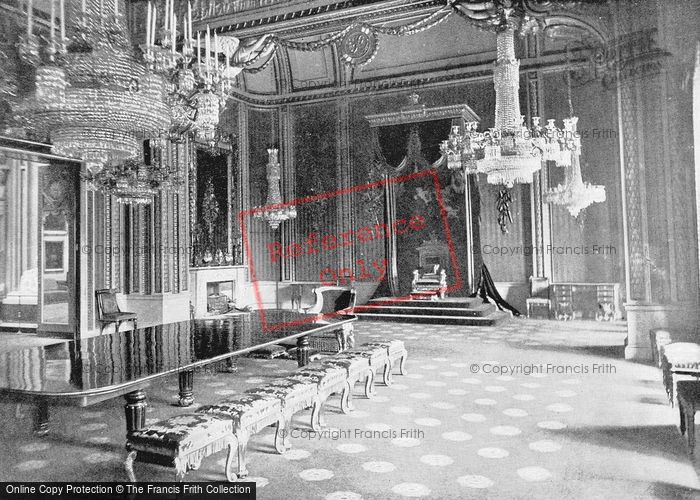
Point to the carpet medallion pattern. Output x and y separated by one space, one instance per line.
475 417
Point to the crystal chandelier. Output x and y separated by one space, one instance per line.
509 153
129 181
95 98
575 195
510 156
200 72
276 214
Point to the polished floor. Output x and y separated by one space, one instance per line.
526 409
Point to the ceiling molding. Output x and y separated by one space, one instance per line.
314 20
482 72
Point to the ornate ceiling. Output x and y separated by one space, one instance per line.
324 49
409 43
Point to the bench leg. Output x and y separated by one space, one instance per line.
129 466
280 435
315 415
345 398
231 476
402 364
369 385
682 423
387 373
690 428
287 431
186 381
242 448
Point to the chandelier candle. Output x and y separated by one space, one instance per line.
63 20
30 12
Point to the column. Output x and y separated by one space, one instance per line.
346 257
540 214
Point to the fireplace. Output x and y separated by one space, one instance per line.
213 288
220 296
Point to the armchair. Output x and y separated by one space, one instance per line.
329 300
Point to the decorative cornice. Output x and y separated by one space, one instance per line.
480 72
319 19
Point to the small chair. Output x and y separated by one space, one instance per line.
108 310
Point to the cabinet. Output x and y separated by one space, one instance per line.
599 301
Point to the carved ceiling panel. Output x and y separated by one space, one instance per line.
449 44
262 82
311 69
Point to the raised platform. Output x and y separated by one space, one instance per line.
451 311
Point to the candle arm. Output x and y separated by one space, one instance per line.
53 21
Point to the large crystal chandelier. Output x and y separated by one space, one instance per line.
509 153
510 156
273 212
200 72
95 98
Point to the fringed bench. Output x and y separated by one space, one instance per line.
248 414
679 359
396 351
327 380
356 368
293 396
378 358
181 442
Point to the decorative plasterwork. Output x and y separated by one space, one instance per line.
423 114
315 17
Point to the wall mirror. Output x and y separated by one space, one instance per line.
38 266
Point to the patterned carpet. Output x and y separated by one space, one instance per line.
468 421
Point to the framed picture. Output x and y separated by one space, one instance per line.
53 256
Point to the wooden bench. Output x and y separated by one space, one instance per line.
248 414
396 351
356 368
328 380
181 442
378 358
293 397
